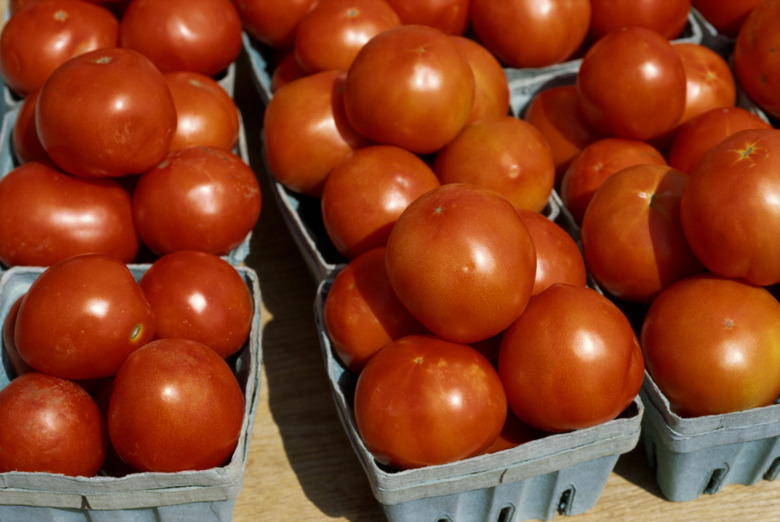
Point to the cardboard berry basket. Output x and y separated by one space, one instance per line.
188 495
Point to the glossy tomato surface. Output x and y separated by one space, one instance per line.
272 22
755 56
709 82
450 16
18 365
24 135
491 90
666 17
725 17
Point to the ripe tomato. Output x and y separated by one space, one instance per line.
104 113
366 192
709 82
272 22
50 425
666 17
631 84
45 34
462 261
725 17
514 433
175 405
631 234
409 86
24 134
197 198
754 58
424 401
710 344
18 365
491 90
552 31
570 361
82 317
449 16
47 216
729 210
286 70
505 154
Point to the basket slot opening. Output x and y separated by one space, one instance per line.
566 501
773 471
716 480
506 514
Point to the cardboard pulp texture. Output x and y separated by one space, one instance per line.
207 495
560 474
259 66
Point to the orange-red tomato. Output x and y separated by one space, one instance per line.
755 56
26 144
666 17
449 16
709 81
725 17
272 22
491 90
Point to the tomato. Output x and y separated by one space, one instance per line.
272 22
729 207
491 90
45 34
711 345
410 87
205 113
203 36
286 71
18 365
424 401
105 113
449 16
47 216
197 198
366 192
631 235
514 433
462 261
631 84
504 154
552 31
82 317
598 161
331 34
755 56
307 132
666 17
50 425
362 314
175 405
696 136
709 82
725 17
570 361
24 134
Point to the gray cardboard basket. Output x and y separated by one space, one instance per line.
207 495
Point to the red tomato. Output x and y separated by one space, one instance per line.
449 16
424 401
667 17
491 90
104 113
409 86
598 161
175 405
552 31
366 192
729 207
199 296
24 135
331 34
631 84
710 345
514 433
205 113
361 312
631 235
50 425
755 56
709 82
198 198
183 35
45 34
570 361
286 71
307 133
272 22
725 17
504 154
462 261
47 216
18 365
82 317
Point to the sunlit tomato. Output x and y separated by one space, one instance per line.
272 22
198 198
667 17
104 113
205 113
462 261
199 296
755 56
24 135
361 312
729 207
366 192
286 70
410 87
424 401
307 133
491 90
725 17
175 405
696 136
570 361
709 81
631 84
595 163
50 425
631 235
82 317
46 216
552 31
505 154
331 34
450 16
710 345
18 365
45 34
